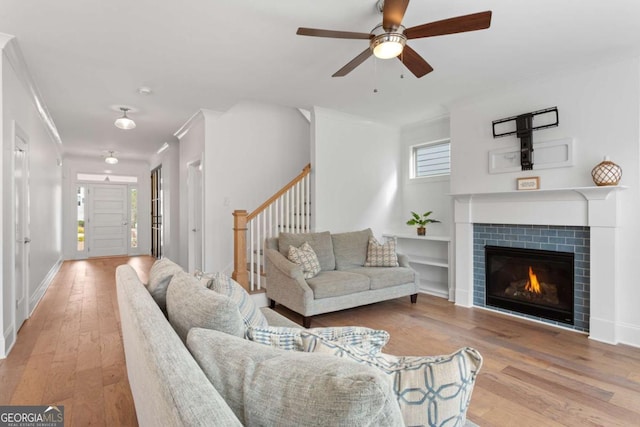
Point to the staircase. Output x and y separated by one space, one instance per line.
286 211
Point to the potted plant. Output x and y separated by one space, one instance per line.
421 221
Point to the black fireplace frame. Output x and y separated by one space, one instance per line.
559 315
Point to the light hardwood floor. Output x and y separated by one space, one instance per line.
70 352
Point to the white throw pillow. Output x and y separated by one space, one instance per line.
305 257
369 340
381 255
431 390
225 285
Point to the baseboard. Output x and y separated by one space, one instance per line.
629 334
42 288
6 338
260 299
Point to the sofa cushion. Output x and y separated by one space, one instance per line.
336 283
269 387
306 258
381 255
351 248
386 277
225 285
189 305
320 242
431 390
370 340
160 275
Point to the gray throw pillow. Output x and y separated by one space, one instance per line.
269 387
190 305
159 278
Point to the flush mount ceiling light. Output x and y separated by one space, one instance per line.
111 159
125 122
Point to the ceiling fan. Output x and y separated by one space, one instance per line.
388 39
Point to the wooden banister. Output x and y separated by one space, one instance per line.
242 221
270 200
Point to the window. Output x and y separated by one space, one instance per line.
431 159
81 195
133 201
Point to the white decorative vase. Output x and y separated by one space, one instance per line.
606 173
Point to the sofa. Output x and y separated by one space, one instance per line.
192 365
344 281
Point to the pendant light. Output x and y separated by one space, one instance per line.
125 122
111 159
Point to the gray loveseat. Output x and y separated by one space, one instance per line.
343 281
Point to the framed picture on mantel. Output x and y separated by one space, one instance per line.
529 183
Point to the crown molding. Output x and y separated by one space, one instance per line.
11 50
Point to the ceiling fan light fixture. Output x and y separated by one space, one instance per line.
111 159
388 45
125 122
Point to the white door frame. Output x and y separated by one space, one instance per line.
195 221
21 229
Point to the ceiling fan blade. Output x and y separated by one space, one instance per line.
333 34
460 24
353 63
392 13
414 62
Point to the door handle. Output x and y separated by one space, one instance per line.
194 230
125 223
27 240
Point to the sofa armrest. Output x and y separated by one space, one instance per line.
285 282
403 260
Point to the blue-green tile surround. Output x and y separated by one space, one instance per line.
546 237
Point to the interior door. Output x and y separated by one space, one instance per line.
21 253
108 219
194 195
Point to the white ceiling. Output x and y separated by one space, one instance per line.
89 56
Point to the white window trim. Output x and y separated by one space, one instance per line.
412 164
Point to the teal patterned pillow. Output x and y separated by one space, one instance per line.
226 286
431 390
305 257
381 255
368 340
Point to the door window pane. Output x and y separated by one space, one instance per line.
81 195
134 217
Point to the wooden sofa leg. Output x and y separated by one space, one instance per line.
306 322
272 304
414 298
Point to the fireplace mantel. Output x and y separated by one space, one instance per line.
594 207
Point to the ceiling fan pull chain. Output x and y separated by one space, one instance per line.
375 75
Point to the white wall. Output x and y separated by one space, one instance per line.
72 165
252 151
355 169
424 194
45 177
169 159
600 109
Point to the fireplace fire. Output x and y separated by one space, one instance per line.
529 281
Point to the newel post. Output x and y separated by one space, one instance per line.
240 274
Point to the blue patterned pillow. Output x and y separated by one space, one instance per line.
431 390
368 340
226 286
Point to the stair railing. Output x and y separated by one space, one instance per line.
285 211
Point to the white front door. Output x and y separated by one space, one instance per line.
108 219
194 195
21 257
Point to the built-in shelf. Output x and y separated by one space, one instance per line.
430 256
